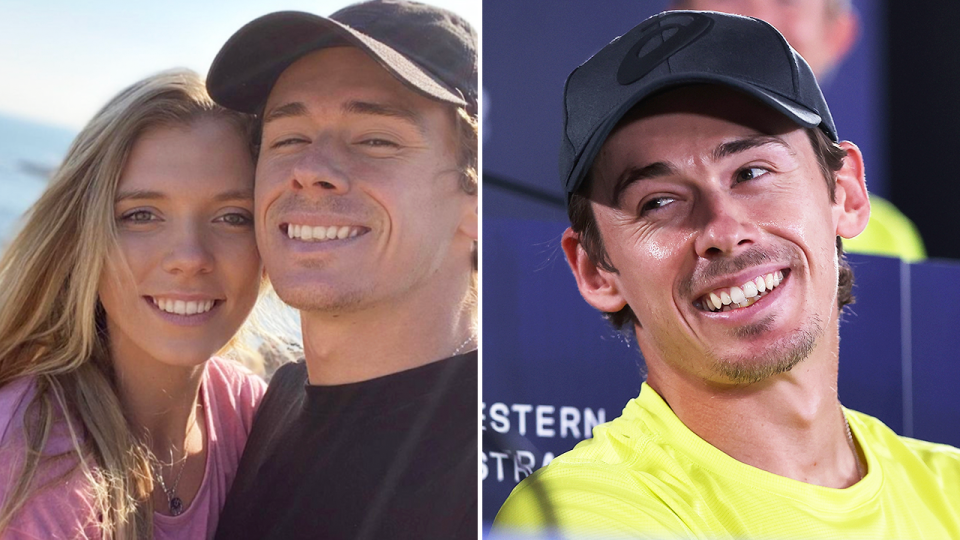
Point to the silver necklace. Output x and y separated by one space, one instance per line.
853 446
470 338
174 501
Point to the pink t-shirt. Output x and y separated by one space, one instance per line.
65 510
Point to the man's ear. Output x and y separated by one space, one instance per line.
852 206
598 287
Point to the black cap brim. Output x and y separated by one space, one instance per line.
248 65
792 110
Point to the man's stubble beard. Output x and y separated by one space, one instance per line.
305 301
782 358
326 299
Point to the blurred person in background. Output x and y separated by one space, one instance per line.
708 192
134 269
366 218
823 32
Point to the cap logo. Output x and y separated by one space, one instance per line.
675 31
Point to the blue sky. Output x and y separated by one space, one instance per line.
63 59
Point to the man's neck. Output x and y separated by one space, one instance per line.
387 338
789 424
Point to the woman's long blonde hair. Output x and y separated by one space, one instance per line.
51 323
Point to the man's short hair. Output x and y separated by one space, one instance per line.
468 138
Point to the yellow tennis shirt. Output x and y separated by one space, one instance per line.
645 475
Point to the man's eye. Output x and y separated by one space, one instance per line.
655 204
288 142
751 173
235 219
379 143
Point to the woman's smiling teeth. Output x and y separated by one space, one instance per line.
320 234
181 307
727 299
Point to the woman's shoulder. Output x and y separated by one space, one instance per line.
62 506
14 398
16 414
233 390
233 377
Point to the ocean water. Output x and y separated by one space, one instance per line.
29 153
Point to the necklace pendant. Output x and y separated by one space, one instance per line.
176 506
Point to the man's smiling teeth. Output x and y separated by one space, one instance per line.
742 296
181 307
319 234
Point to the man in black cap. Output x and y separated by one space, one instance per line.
707 192
366 219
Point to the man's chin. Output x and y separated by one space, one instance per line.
318 297
780 357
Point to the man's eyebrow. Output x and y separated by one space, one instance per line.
635 174
382 109
742 145
662 168
287 110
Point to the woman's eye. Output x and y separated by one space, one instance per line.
751 173
138 216
655 204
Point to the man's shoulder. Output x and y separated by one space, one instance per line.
934 453
284 391
291 373
611 483
874 432
940 460
287 382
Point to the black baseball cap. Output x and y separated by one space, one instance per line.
678 48
431 50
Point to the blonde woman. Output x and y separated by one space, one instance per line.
136 266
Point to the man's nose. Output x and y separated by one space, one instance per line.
726 226
319 167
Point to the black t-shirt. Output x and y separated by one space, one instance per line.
393 457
